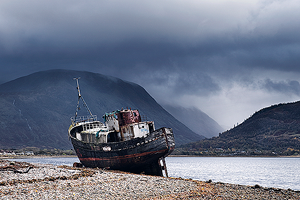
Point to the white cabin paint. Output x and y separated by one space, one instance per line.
112 123
136 130
141 129
78 136
119 126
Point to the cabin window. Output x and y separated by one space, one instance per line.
113 137
151 128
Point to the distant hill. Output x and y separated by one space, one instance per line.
276 128
36 109
196 120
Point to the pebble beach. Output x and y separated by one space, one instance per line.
20 180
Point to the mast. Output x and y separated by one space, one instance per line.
80 97
77 81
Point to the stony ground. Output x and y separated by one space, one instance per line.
27 181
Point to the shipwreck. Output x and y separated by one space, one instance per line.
123 142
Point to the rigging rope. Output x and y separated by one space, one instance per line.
78 102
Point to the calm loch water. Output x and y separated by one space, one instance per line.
268 172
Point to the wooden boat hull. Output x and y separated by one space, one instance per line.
136 155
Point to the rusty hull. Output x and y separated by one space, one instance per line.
138 155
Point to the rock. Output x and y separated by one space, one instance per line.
76 164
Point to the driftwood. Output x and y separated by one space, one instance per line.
10 168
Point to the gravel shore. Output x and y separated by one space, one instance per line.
20 180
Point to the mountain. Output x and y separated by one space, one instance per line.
196 120
36 109
275 128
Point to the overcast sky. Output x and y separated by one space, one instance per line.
228 58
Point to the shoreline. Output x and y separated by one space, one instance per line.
296 156
38 156
75 156
49 181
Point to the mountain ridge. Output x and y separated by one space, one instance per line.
274 130
196 120
36 109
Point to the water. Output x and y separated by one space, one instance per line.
50 160
268 172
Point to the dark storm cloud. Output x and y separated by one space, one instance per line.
183 83
200 48
287 87
215 37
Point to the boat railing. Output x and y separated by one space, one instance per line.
89 118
